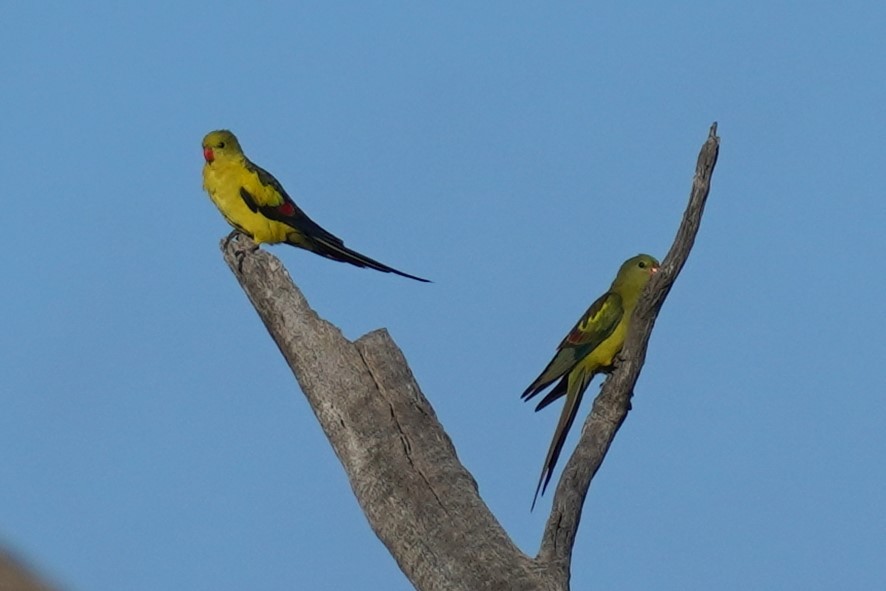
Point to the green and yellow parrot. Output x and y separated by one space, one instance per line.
256 204
589 349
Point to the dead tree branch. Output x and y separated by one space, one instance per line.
419 499
614 401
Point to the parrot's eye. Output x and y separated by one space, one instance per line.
642 265
221 144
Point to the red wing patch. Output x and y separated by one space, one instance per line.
576 336
287 209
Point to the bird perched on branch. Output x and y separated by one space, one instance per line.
589 348
255 203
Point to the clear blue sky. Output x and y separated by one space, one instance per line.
153 438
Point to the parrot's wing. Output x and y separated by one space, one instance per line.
594 327
268 197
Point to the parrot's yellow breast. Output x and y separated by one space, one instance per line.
604 354
223 180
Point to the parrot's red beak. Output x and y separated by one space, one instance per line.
207 153
653 270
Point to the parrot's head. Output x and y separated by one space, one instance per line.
636 271
220 143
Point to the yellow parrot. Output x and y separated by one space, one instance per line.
255 203
589 349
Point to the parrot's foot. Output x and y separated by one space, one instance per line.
242 247
230 237
240 255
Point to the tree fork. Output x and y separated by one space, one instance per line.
403 468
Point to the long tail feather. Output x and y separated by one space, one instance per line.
576 391
339 252
555 393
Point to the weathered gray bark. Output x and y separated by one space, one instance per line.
419 499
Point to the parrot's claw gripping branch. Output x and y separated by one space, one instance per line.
243 245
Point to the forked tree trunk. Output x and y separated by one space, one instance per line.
419 499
